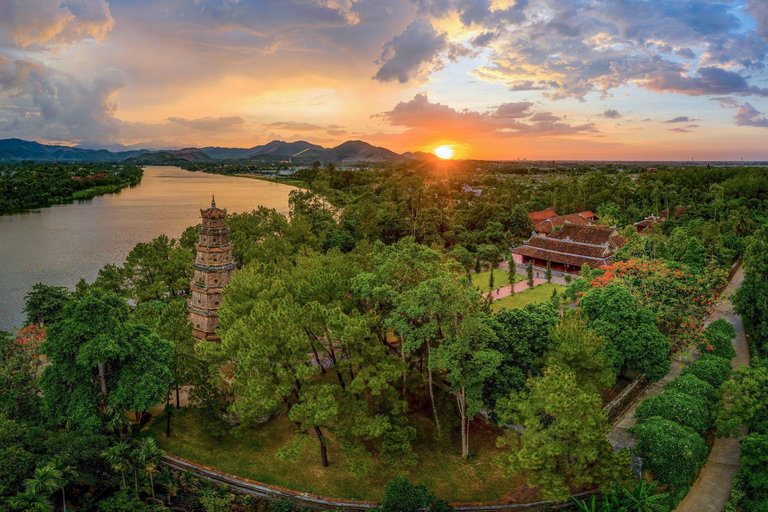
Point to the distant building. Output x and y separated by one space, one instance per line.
213 268
588 215
541 215
647 223
548 226
679 210
570 248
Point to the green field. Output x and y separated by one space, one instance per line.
500 278
540 293
250 453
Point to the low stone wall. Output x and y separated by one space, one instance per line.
312 501
627 397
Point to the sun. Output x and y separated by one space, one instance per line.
444 152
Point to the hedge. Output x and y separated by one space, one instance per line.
712 369
673 452
718 338
685 410
693 386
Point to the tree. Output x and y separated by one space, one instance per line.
96 342
118 457
29 501
400 495
575 346
712 369
673 452
686 410
529 273
149 458
747 393
468 360
635 342
548 273
45 304
564 441
718 338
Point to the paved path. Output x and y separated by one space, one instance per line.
506 291
712 489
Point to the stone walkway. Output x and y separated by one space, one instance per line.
506 291
712 489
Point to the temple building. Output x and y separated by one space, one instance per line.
213 268
546 222
570 248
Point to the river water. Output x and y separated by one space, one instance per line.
61 244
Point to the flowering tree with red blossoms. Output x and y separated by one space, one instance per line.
679 299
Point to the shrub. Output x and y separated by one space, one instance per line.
673 452
693 386
754 465
282 505
400 495
712 369
686 410
718 338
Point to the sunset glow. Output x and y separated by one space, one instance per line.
444 152
536 79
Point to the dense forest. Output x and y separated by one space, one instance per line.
355 330
30 184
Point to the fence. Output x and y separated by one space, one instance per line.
307 500
627 397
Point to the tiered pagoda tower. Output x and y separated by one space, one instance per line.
213 268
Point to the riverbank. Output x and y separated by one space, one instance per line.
293 182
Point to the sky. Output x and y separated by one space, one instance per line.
494 79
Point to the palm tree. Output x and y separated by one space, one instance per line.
642 498
149 457
45 480
118 458
67 474
741 220
30 501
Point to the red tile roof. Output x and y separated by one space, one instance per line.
574 246
541 215
549 225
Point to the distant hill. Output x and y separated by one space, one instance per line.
300 152
17 150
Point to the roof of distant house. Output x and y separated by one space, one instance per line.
587 214
679 210
548 226
541 215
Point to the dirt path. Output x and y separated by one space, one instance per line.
712 489
506 291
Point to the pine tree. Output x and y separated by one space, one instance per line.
529 271
548 273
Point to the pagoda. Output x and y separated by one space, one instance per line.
213 268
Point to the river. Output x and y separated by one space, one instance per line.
61 244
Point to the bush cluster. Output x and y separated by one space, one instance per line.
712 369
673 452
686 410
718 339
671 426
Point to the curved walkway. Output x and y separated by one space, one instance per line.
712 489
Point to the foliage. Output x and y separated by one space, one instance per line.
747 393
400 495
634 341
100 359
717 339
44 304
124 501
693 386
712 369
685 410
641 499
673 452
564 443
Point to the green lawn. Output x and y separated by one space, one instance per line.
500 278
250 453
540 293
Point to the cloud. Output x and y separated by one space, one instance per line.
296 126
680 119
611 114
749 116
211 123
57 105
686 53
424 118
759 11
419 46
44 22
710 80
679 130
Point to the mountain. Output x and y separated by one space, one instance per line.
17 150
276 151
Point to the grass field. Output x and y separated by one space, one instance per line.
500 278
250 453
540 293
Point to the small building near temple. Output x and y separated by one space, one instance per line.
213 268
570 248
